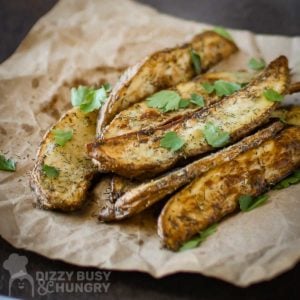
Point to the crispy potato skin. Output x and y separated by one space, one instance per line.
161 70
66 192
139 197
214 195
140 116
138 154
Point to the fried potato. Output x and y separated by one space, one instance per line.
140 116
164 69
214 195
139 197
67 192
139 154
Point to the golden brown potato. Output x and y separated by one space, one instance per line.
139 154
139 197
67 191
164 69
140 116
214 195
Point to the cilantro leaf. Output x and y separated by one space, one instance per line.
50 171
225 88
164 100
195 242
198 100
215 136
196 60
171 141
183 103
78 95
256 64
107 86
62 136
223 32
89 99
245 201
293 179
7 164
208 87
248 203
272 95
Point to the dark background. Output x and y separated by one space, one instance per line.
272 16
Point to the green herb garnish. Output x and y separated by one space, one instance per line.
7 164
196 60
61 137
272 95
164 100
198 100
223 32
293 179
107 86
256 64
50 171
221 87
248 203
171 141
183 103
225 88
196 241
208 87
215 136
89 99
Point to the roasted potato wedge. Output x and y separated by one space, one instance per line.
140 116
139 197
139 154
67 191
214 195
164 69
288 115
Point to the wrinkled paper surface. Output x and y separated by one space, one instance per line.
88 42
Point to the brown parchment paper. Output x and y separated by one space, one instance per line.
87 42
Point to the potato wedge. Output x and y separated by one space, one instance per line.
139 154
67 191
139 197
163 69
289 115
140 116
214 195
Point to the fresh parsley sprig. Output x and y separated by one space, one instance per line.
89 99
196 241
223 32
7 164
272 95
221 87
215 136
285 183
172 141
198 100
248 202
50 171
196 61
164 100
256 64
61 137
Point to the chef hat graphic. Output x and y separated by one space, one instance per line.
16 266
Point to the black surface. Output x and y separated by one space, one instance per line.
16 19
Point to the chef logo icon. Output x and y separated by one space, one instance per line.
20 281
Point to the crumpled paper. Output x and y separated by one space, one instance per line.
88 42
